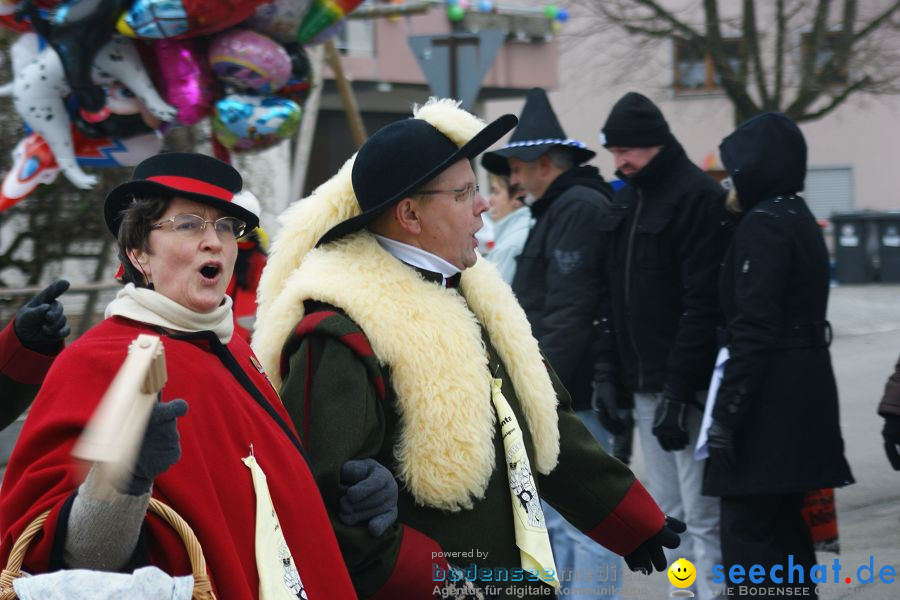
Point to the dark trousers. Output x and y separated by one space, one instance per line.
764 530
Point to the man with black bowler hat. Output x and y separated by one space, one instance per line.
666 239
390 339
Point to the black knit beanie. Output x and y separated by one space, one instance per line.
635 122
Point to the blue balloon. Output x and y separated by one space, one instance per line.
562 15
485 6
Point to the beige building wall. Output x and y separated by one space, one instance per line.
599 66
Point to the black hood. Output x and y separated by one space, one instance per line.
765 156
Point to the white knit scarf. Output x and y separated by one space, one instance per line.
151 307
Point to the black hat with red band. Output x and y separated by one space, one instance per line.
185 175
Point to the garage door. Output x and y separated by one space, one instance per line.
829 190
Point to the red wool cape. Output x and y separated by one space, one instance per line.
209 486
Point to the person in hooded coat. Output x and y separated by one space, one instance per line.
775 433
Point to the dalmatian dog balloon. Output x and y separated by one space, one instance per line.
40 90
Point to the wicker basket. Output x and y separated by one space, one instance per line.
202 586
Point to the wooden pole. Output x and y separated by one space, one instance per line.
304 139
351 108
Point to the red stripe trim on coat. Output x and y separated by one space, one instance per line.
305 326
634 520
412 574
188 184
358 343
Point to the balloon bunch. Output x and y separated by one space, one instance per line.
99 82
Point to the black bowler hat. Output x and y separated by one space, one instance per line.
538 131
399 158
186 175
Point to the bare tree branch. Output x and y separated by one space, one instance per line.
840 53
780 34
751 52
731 83
877 22
836 101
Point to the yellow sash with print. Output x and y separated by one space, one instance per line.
278 576
531 529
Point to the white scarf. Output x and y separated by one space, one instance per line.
151 307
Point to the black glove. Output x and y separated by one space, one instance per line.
669 424
40 324
605 402
720 441
891 435
161 447
371 495
650 554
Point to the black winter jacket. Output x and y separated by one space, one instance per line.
778 392
667 235
559 276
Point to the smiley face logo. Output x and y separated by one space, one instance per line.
682 573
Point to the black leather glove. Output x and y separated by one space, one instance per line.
720 441
669 423
371 495
40 324
650 554
891 435
605 402
161 447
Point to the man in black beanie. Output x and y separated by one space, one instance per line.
665 239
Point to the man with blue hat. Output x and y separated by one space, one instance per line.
390 339
559 283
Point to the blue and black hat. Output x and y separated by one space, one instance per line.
538 131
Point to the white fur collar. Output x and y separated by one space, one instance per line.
445 452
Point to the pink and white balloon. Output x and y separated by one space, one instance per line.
249 61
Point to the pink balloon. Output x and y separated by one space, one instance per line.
249 60
185 77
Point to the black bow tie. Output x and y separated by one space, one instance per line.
451 282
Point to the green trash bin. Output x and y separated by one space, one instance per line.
889 246
854 247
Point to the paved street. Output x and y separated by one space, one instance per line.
866 322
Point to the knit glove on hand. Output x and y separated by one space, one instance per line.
650 554
40 324
605 402
371 495
891 434
161 447
720 441
669 423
